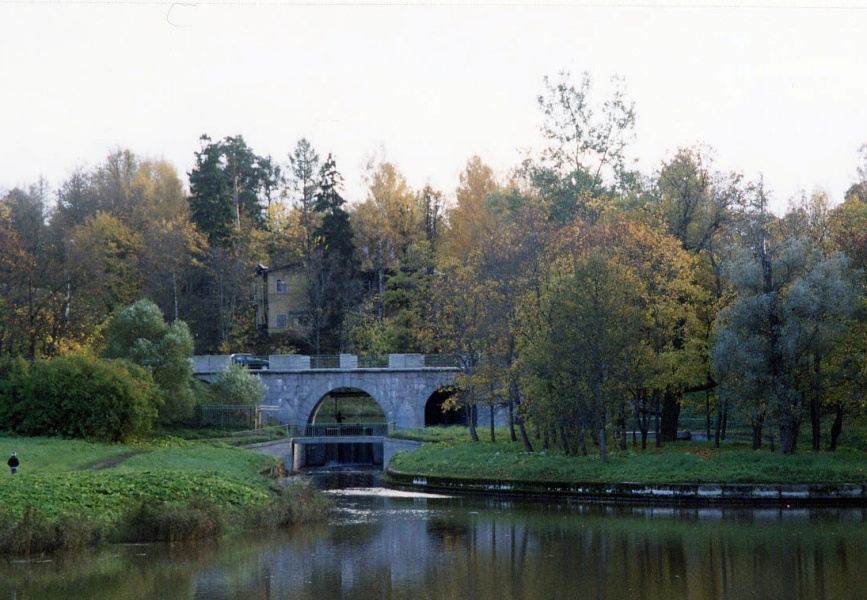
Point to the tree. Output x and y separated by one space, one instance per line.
33 284
302 187
237 386
139 334
668 294
331 270
586 158
469 222
386 224
583 347
432 208
819 312
478 297
230 186
772 345
695 201
104 274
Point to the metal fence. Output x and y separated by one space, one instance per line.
325 362
373 361
348 429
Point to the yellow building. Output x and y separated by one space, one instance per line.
281 298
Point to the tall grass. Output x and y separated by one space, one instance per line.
151 521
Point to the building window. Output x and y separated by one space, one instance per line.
282 286
281 321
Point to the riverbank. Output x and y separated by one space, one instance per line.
681 473
641 493
72 494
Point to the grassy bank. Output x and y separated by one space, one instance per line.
70 494
452 455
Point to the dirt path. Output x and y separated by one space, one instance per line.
113 461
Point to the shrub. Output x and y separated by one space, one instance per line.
79 397
236 385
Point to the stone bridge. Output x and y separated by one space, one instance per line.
295 385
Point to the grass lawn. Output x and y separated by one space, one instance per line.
103 478
167 489
453 454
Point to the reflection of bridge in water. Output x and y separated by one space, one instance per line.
409 388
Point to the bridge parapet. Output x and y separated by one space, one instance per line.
205 364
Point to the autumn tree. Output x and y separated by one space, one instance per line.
583 347
469 221
432 206
482 286
585 161
386 224
33 283
669 297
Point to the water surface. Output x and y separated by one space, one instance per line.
380 544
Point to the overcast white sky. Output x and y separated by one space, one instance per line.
780 91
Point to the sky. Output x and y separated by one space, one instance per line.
778 91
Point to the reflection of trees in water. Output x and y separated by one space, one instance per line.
419 548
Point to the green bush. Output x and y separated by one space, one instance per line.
139 334
78 397
236 385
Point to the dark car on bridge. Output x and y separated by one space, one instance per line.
254 363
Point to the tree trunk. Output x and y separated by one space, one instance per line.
757 432
718 427
621 424
836 428
816 416
493 435
788 426
707 411
512 433
524 437
670 416
788 435
564 439
471 422
603 452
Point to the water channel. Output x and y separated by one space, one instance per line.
380 544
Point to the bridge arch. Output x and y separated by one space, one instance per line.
319 390
434 413
349 405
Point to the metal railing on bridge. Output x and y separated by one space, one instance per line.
345 430
384 361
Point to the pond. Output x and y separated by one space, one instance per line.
381 544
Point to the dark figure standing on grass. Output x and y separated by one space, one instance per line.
13 463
